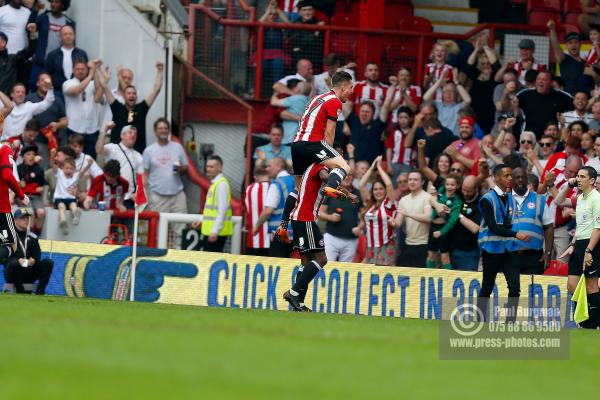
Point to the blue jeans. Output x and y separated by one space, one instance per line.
466 260
273 69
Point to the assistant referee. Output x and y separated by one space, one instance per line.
584 250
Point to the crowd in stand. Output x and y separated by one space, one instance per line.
423 155
78 139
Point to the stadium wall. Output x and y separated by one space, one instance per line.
235 281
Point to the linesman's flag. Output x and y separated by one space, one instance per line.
140 195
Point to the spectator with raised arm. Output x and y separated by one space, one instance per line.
273 53
448 106
399 143
571 64
307 44
13 22
590 15
23 111
371 89
525 64
11 64
293 106
82 94
132 112
379 220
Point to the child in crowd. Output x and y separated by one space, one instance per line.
446 210
437 66
110 187
66 190
399 144
32 181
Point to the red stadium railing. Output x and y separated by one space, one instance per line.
151 216
228 49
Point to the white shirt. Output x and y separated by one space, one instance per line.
67 62
285 79
112 151
63 183
82 161
572 116
13 22
222 204
595 163
417 233
14 124
81 109
547 216
273 194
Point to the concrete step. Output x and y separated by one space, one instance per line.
452 14
442 3
451 27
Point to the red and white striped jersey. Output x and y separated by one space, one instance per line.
592 57
521 71
309 195
254 200
396 142
363 91
434 72
313 122
289 6
377 220
414 92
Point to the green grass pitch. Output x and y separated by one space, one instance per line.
63 348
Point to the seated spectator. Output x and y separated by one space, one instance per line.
59 62
81 95
366 132
65 193
273 53
590 15
76 142
26 264
129 159
132 112
109 188
579 113
333 63
399 144
541 104
525 63
294 106
571 64
10 64
165 162
449 106
13 22
31 179
274 149
14 123
54 118
368 90
483 84
307 44
438 67
304 73
48 25
405 93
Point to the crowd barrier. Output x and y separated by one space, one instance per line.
235 281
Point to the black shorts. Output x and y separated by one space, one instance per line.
576 260
306 153
440 244
307 237
8 235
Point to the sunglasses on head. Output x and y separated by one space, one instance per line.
546 144
526 141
